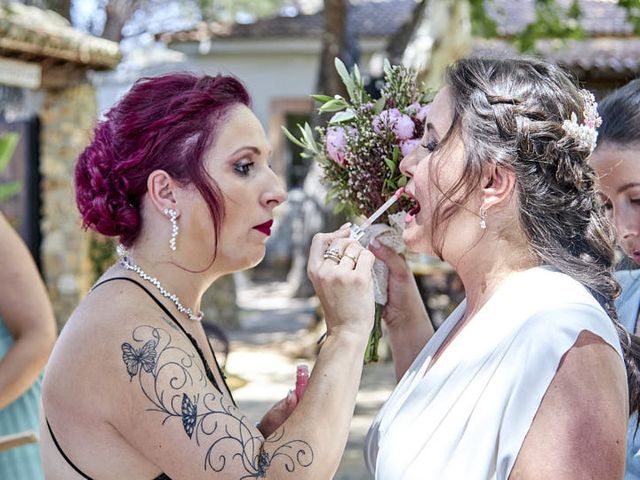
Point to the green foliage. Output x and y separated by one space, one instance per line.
633 13
551 22
102 254
8 143
482 25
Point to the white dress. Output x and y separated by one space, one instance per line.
466 418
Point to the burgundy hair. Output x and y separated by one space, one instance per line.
167 123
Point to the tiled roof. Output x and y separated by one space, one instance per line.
610 44
32 34
372 19
598 17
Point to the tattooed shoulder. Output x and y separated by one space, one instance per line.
177 390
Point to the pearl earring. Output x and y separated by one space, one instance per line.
173 215
483 218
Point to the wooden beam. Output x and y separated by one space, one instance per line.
20 74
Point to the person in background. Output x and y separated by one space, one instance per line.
27 335
616 160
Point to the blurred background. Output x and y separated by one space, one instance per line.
64 63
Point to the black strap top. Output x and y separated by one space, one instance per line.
207 369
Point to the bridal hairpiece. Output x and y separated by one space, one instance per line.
585 133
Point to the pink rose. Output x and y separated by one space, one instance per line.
385 120
403 127
407 146
336 140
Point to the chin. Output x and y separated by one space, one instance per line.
416 241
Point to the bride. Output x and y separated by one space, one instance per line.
526 379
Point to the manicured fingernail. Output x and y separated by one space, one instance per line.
346 225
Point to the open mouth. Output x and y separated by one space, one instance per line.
414 211
265 227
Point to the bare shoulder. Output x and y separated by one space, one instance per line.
91 351
579 431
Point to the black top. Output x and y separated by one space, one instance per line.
207 369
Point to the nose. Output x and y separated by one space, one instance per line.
627 222
275 194
408 163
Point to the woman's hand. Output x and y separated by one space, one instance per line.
343 281
404 302
277 415
405 314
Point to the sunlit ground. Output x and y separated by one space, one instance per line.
265 352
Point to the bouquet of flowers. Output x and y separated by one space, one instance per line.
360 150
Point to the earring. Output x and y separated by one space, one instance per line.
483 218
173 215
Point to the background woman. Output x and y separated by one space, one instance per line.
525 380
27 333
179 171
616 162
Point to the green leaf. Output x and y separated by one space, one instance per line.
342 117
346 78
333 106
322 98
396 155
356 75
379 105
292 139
388 69
402 181
9 189
308 135
391 165
340 208
8 143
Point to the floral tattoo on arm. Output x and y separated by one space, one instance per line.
170 378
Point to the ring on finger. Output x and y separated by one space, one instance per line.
333 256
332 251
353 258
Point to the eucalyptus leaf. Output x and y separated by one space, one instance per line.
346 77
379 105
322 98
342 117
402 181
292 138
333 106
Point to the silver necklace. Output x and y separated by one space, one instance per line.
129 265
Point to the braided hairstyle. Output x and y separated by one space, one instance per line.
511 112
166 122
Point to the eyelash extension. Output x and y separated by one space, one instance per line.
430 146
243 168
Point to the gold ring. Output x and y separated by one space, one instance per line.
351 257
330 255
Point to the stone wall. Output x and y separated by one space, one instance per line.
67 117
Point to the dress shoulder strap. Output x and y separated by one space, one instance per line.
64 455
193 341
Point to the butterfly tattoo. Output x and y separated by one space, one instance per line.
133 358
189 414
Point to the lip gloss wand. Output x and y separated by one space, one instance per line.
357 231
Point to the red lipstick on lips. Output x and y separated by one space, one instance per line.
265 227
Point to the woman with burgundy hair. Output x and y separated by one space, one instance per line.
179 171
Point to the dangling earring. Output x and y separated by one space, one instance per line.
483 218
173 215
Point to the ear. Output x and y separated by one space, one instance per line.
161 189
498 184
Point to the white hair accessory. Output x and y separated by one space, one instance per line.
585 133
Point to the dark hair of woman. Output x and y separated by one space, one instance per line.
510 112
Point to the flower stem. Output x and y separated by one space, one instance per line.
371 354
